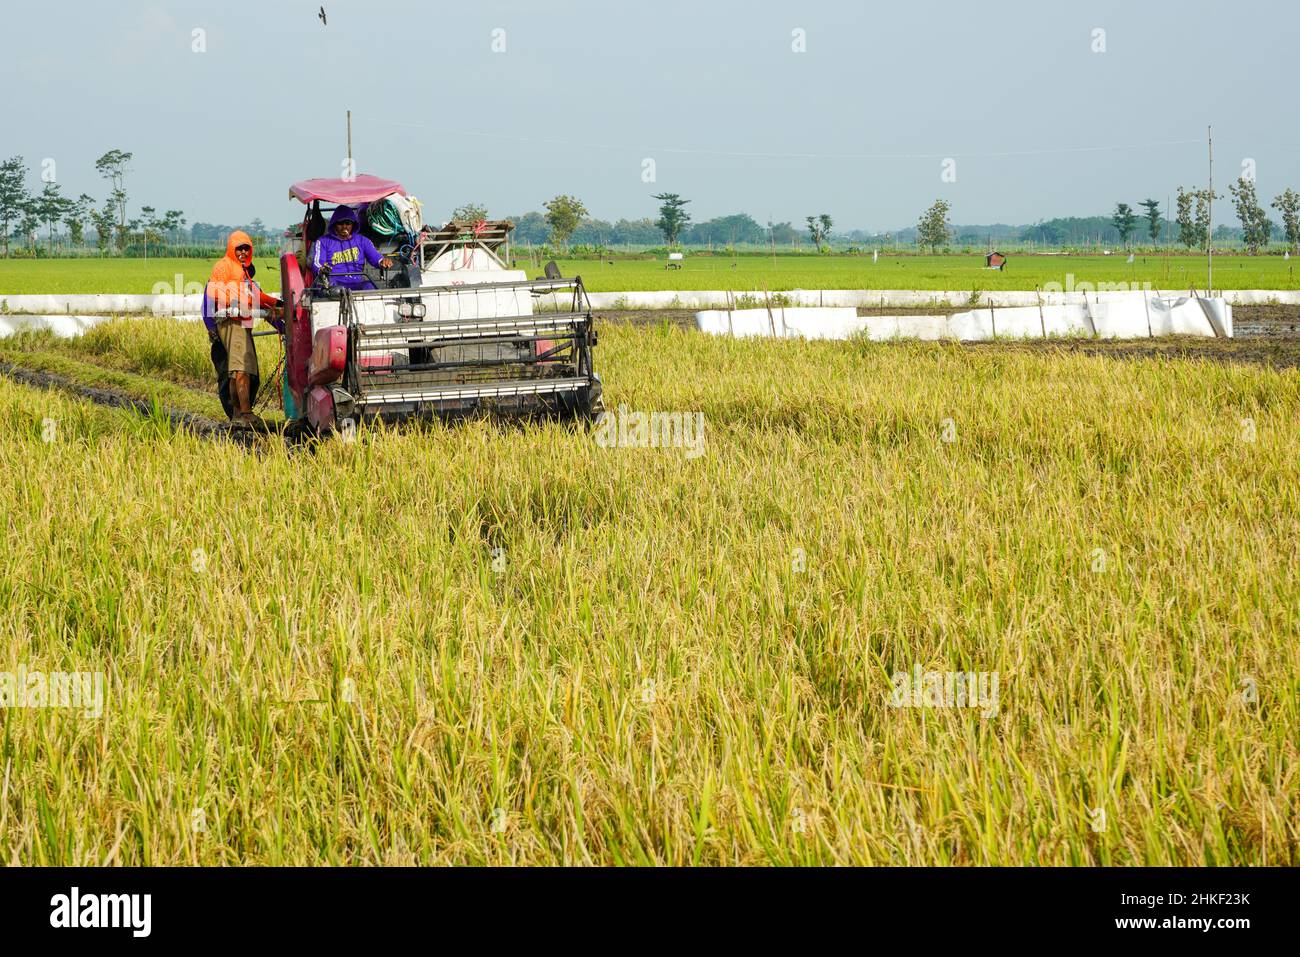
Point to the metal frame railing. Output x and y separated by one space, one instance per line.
487 365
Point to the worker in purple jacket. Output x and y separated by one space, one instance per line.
342 251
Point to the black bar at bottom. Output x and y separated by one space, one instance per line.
333 906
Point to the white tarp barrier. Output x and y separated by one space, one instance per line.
64 327
915 298
83 304
1136 316
881 328
782 323
172 304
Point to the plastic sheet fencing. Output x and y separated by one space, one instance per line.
879 299
783 323
1134 316
63 327
172 304
1131 316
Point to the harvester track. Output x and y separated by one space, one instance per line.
191 422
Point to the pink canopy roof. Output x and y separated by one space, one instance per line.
363 189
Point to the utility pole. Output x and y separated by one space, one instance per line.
1169 221
350 166
1209 218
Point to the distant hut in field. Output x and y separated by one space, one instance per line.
995 261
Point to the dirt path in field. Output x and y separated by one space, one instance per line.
1270 353
187 421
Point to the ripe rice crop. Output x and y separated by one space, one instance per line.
493 643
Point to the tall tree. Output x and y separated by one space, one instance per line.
112 166
172 222
1152 206
51 205
1288 204
74 217
1255 227
29 220
563 214
737 228
1194 216
934 229
103 220
1124 222
819 229
1186 224
781 233
470 211
13 194
148 226
673 217
1204 198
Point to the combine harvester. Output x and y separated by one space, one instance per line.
449 330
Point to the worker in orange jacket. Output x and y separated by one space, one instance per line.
234 300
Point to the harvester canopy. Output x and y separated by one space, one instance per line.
345 192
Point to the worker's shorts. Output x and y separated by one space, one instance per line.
241 356
223 376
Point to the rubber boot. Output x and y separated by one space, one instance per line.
241 399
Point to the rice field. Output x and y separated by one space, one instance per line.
494 644
955 272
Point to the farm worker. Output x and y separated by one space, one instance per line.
340 253
233 299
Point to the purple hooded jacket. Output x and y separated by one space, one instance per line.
345 257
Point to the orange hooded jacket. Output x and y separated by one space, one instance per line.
229 284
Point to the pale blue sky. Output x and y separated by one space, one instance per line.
712 91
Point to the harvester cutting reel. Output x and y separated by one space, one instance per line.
521 347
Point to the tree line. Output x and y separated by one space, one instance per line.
1193 217
566 220
24 211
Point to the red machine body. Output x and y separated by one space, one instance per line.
329 355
